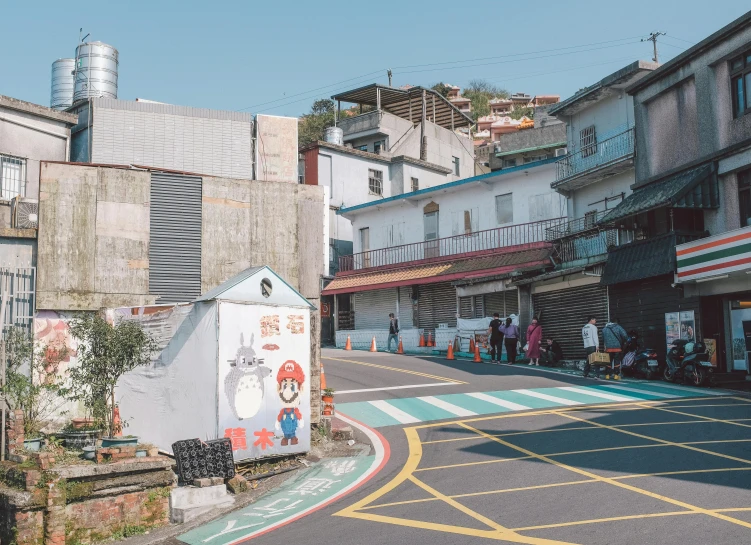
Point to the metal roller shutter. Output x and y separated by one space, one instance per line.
175 237
479 306
512 301
563 313
436 305
465 307
502 302
372 308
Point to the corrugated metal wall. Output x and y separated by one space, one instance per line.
436 305
481 306
175 237
563 313
406 318
372 308
642 306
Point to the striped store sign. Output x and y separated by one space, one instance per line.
721 254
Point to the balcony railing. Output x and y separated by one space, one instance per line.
480 241
596 155
587 246
574 227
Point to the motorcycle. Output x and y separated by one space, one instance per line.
639 361
688 361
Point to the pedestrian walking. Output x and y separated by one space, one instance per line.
534 337
393 331
615 338
552 352
511 338
591 342
495 338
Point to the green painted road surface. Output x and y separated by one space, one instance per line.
415 410
306 491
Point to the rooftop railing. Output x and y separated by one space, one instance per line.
596 155
574 227
434 250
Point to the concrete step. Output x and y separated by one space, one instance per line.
189 502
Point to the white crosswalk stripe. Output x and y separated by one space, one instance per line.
637 391
595 393
510 405
397 414
547 397
446 406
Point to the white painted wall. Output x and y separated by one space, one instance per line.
591 197
610 116
401 222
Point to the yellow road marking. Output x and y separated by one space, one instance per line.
506 435
614 482
397 369
609 519
684 472
664 442
705 418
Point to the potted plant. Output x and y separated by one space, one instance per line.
328 401
106 352
31 383
78 435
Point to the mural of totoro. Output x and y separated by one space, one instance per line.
264 406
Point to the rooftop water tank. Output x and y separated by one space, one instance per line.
96 71
334 135
61 89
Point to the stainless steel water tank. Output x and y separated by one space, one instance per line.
96 71
334 135
61 89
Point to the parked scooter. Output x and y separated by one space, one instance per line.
639 362
688 361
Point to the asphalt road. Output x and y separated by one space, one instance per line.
562 460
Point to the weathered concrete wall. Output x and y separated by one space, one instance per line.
93 238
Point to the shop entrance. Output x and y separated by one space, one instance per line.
740 324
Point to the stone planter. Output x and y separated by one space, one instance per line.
33 445
89 452
79 439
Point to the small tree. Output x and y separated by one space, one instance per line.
32 384
105 353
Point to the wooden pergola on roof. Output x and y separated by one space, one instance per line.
408 104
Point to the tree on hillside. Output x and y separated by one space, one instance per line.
312 124
442 89
521 111
481 92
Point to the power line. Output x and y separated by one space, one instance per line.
679 39
545 72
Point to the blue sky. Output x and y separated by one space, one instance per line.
277 57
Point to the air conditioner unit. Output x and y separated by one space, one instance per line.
25 213
560 152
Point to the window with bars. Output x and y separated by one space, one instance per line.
375 181
456 166
12 177
415 184
740 83
588 141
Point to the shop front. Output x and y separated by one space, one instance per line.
717 270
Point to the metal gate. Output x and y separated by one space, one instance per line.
563 313
372 308
20 286
436 304
484 306
175 237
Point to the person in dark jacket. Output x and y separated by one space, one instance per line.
393 331
552 352
615 339
495 338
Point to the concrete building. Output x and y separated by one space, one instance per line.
404 143
693 180
527 146
126 132
29 134
594 172
127 237
441 253
463 104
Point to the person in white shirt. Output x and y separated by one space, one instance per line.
591 341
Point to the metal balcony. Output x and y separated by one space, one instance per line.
592 163
574 227
480 242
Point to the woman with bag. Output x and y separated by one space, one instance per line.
511 337
532 348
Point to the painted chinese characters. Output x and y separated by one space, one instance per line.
295 324
237 437
269 326
264 439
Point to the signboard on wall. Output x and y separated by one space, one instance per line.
264 379
276 148
679 325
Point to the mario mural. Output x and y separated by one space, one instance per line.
264 369
290 386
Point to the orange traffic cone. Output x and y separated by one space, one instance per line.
348 346
430 340
373 346
471 345
323 378
477 359
422 339
400 349
450 355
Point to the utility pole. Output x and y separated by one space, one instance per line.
653 38
389 74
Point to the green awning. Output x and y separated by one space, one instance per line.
695 188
